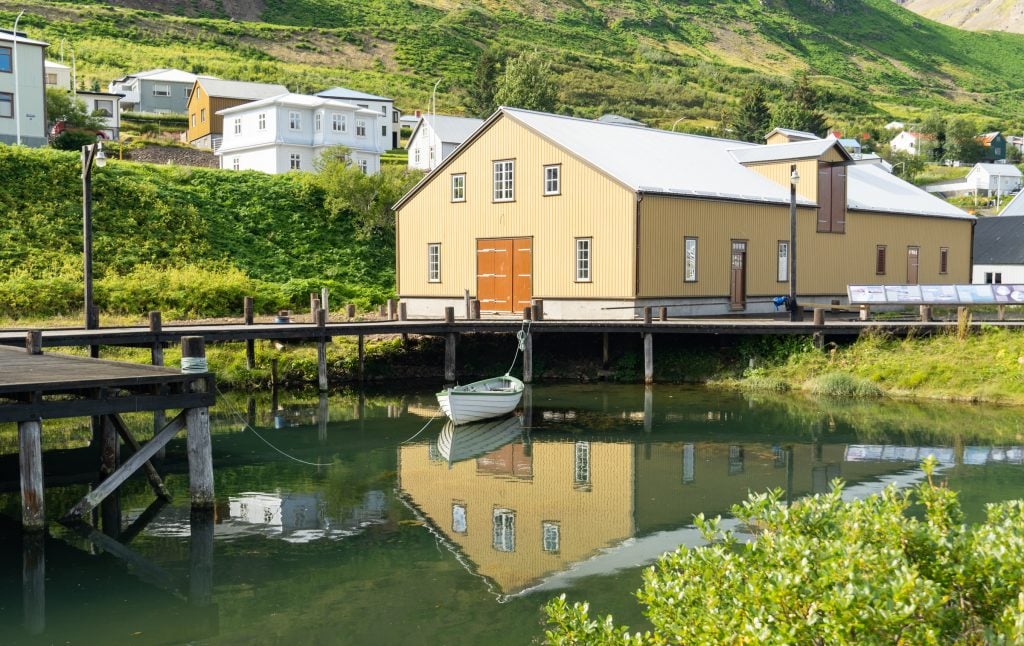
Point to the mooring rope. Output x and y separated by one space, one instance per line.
439 410
524 331
248 427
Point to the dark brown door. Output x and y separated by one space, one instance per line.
494 276
913 258
738 281
522 268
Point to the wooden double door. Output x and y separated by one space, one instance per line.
504 274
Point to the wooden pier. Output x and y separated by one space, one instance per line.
35 387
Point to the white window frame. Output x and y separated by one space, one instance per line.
7 100
360 127
782 266
584 258
161 89
235 163
460 523
553 179
458 187
202 115
363 166
339 122
551 536
193 119
384 110
294 120
294 161
503 530
108 107
188 93
504 180
433 262
318 121
416 154
581 463
384 130
237 125
690 247
261 121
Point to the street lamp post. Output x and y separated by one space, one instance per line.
17 90
91 153
795 313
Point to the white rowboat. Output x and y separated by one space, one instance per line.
458 443
481 399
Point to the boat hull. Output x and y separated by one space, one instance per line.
481 400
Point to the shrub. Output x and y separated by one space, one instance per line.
840 384
897 567
764 383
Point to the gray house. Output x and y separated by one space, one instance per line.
160 90
22 90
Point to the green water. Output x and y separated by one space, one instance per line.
409 537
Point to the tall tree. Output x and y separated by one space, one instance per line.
527 83
801 110
752 118
933 147
961 141
480 93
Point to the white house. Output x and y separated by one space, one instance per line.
909 142
895 125
436 137
388 127
58 75
291 131
993 179
106 105
22 90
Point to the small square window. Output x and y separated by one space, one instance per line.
339 123
235 165
360 128
458 187
553 179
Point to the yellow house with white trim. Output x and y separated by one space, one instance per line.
602 219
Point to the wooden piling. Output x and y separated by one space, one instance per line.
648 357
314 305
605 350
361 343
250 345
538 309
33 582
322 416
528 313
321 350
648 408
197 421
110 448
467 302
1000 312
200 553
383 310
926 313
474 309
528 358
663 315
403 315
155 327
392 309
819 317
350 311
647 316
30 461
324 294
865 312
449 353
449 315
34 342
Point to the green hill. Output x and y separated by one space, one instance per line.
655 60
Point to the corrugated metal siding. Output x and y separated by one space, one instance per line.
197 102
779 172
826 262
590 205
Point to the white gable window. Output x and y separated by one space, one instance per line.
339 123
360 128
384 110
553 179
504 530
261 121
161 89
193 119
295 161
434 262
238 125
235 165
459 187
504 172
188 93
317 121
583 260
690 260
294 120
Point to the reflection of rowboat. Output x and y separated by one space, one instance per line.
481 399
457 443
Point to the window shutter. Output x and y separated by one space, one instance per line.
824 199
838 199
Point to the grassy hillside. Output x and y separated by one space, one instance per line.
976 15
656 60
186 240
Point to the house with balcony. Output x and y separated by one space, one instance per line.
388 129
156 91
210 96
22 90
291 132
436 137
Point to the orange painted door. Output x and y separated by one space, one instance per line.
494 275
522 268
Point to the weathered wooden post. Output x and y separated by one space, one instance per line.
818 338
324 293
648 358
926 313
197 421
449 315
528 407
33 581
361 342
865 312
647 316
321 349
1000 312
450 340
605 350
392 309
250 344
34 342
663 314
467 301
157 359
538 309
110 448
383 310
314 305
30 462
528 349
350 311
819 317
403 315
474 309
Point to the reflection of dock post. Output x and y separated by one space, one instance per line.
321 418
200 579
197 421
789 474
361 348
605 350
33 581
321 349
648 358
528 406
648 408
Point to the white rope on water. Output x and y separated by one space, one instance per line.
524 331
439 409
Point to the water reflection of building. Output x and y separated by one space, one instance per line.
555 504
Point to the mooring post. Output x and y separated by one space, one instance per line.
450 340
392 309
474 309
350 311
528 349
33 581
321 349
34 342
250 344
324 293
469 306
647 316
605 350
314 305
449 315
383 310
361 343
1000 311
538 309
197 423
30 461
664 314
528 406
865 312
926 313
403 315
200 556
819 317
648 358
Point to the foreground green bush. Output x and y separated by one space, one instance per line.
840 384
898 567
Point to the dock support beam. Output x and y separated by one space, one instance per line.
648 358
250 345
528 348
197 421
321 350
605 350
361 343
30 460
450 341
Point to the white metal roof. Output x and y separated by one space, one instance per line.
997 170
450 130
780 152
657 161
51 65
620 120
20 38
241 89
870 187
298 101
165 74
789 132
1015 207
346 93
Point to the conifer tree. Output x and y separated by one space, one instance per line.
752 118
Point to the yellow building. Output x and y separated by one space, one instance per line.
600 219
209 96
